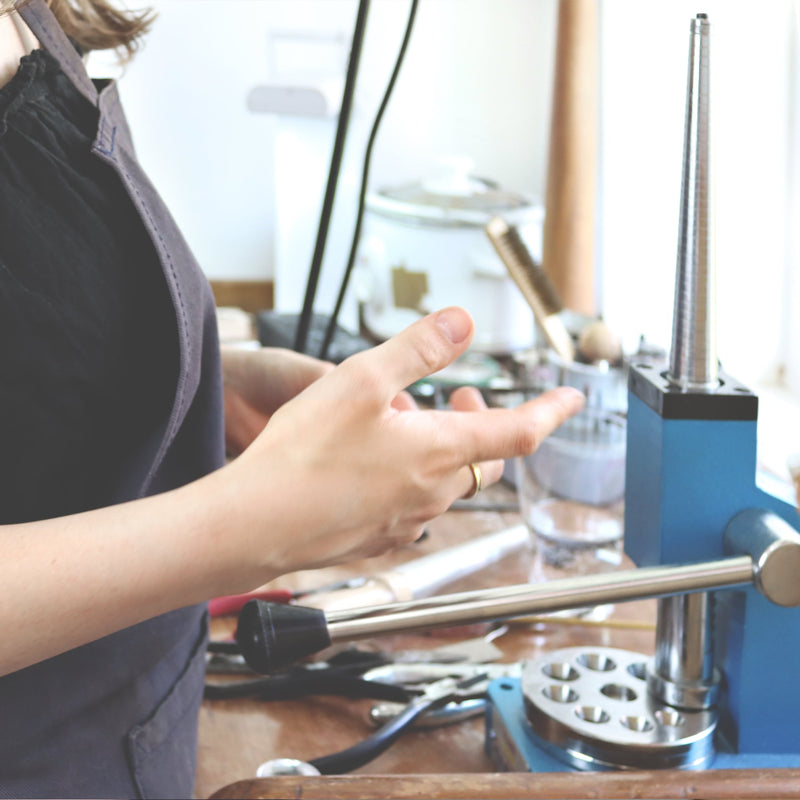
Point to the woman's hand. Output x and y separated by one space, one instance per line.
257 383
348 469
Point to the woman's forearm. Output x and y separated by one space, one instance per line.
71 580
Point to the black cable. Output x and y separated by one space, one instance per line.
376 743
365 179
294 687
303 324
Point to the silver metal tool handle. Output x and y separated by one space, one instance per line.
272 635
771 563
558 595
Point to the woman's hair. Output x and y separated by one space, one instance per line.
97 24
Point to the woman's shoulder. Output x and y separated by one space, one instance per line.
15 42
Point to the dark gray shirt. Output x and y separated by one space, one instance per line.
111 390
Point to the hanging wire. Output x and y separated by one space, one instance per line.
301 334
365 180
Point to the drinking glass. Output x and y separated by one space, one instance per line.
571 494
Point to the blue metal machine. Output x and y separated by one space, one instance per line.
722 687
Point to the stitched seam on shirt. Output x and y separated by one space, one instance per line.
181 307
102 137
66 62
103 113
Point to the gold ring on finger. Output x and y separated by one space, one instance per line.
477 481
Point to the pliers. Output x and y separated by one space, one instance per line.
415 675
434 696
417 690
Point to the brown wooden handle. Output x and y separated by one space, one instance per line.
743 784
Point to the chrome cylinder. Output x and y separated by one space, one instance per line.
683 673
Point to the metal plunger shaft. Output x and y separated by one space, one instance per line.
683 671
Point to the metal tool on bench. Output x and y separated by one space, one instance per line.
428 697
721 687
357 673
426 694
418 675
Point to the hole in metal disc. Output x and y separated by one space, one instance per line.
561 671
597 662
560 693
672 719
641 724
616 691
592 714
638 670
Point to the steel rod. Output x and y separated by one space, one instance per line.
693 358
557 595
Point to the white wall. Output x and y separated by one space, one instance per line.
643 73
477 82
792 295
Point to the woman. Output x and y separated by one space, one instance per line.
119 519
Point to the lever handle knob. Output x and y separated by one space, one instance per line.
774 546
274 635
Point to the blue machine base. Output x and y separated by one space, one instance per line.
514 747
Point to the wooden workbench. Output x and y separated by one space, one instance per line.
238 735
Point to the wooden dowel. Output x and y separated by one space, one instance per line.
568 235
579 622
742 784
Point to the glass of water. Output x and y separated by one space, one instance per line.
571 495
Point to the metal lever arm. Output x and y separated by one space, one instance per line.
557 595
772 563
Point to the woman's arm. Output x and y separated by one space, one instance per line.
339 473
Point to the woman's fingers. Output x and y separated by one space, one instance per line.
425 347
467 398
484 473
499 433
404 402
243 423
